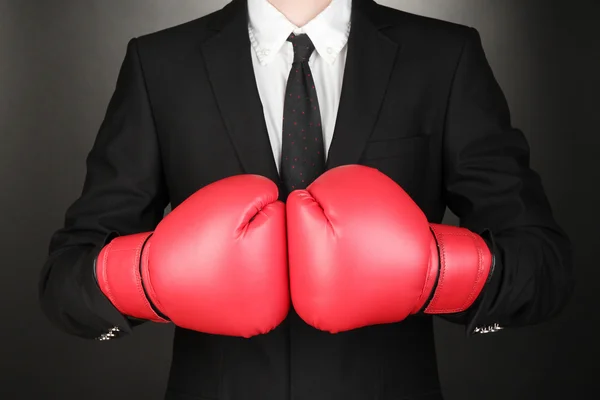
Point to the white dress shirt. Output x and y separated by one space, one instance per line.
272 57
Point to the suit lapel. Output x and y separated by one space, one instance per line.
231 73
369 64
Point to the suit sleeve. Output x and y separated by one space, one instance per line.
124 193
490 186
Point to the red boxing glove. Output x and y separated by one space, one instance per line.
361 252
216 264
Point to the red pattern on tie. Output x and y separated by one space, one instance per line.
302 159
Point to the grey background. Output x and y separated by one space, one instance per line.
58 65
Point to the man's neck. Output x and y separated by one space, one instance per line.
299 12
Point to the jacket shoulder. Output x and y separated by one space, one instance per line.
182 36
422 29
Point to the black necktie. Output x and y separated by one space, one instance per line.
302 152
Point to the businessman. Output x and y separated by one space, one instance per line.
309 150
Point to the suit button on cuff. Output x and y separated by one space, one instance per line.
488 329
112 333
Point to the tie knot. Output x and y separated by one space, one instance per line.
303 47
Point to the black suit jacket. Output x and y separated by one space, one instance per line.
419 102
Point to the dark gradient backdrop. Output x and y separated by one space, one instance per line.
58 64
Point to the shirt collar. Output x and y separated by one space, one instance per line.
269 29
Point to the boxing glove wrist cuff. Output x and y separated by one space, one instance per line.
118 272
465 263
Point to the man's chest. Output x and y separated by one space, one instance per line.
214 124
